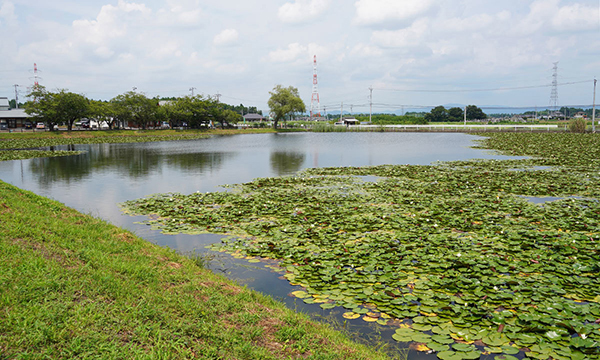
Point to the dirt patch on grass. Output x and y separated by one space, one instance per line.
64 258
125 237
4 209
174 265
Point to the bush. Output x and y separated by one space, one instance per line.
577 125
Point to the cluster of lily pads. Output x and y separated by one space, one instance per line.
6 155
22 142
452 254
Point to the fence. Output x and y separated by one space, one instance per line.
457 128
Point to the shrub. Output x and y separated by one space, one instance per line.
577 125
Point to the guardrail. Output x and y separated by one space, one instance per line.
473 128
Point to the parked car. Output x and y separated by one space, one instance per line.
40 125
3 126
165 125
85 124
28 125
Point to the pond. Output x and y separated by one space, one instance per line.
105 175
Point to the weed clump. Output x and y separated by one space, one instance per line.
577 126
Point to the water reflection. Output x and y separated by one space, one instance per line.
286 163
131 162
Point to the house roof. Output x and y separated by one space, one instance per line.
253 117
14 114
4 102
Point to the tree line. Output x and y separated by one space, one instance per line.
454 114
130 108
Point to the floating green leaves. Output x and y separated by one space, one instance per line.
453 247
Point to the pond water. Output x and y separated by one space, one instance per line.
105 175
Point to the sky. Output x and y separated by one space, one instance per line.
412 53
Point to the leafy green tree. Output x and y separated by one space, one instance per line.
42 106
103 111
231 117
455 114
437 114
71 107
136 107
193 110
284 102
475 113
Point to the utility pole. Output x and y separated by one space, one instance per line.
465 116
192 90
16 95
594 108
370 103
342 112
315 102
554 93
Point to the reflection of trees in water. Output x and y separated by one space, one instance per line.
134 162
286 162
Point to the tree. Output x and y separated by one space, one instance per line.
71 107
475 113
284 102
103 111
42 106
455 114
437 114
192 110
136 107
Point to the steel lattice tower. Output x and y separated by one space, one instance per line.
554 93
315 104
35 75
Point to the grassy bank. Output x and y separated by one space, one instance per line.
73 286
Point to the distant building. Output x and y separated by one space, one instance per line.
15 118
253 117
4 104
580 115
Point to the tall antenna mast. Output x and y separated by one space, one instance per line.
35 75
554 93
315 104
16 96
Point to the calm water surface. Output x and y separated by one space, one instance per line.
107 174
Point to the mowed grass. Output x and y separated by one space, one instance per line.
75 287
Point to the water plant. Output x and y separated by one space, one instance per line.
451 254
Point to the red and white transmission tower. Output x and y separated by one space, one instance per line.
35 75
315 104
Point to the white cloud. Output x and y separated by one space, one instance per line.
181 12
290 54
411 36
577 17
112 22
302 10
389 12
547 15
225 37
366 50
7 14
